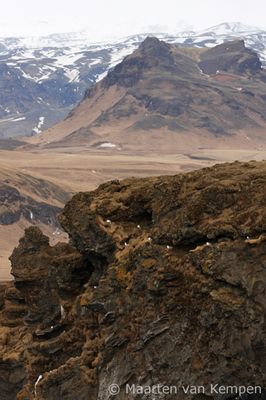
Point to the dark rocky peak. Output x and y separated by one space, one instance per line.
153 47
232 46
33 240
151 53
232 57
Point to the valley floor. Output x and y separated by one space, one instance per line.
77 170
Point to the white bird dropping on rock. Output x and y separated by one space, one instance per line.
36 384
63 314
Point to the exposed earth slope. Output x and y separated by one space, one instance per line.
170 98
24 201
163 282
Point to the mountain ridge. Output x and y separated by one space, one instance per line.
44 91
162 93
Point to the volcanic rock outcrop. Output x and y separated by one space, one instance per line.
162 283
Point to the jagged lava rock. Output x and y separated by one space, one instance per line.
168 288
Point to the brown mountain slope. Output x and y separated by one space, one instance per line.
163 284
24 201
164 97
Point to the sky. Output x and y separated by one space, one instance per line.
114 18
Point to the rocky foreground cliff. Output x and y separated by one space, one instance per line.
163 282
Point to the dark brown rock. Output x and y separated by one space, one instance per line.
43 273
168 288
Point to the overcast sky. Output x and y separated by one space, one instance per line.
104 18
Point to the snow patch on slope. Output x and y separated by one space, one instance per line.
18 119
107 145
37 129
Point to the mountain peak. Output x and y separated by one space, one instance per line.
43 93
153 47
226 28
232 56
151 53
151 42
162 88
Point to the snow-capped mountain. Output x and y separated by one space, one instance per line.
43 78
231 28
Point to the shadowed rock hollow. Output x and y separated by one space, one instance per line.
163 282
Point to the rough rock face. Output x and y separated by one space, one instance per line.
163 282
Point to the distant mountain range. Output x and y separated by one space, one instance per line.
170 98
42 79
